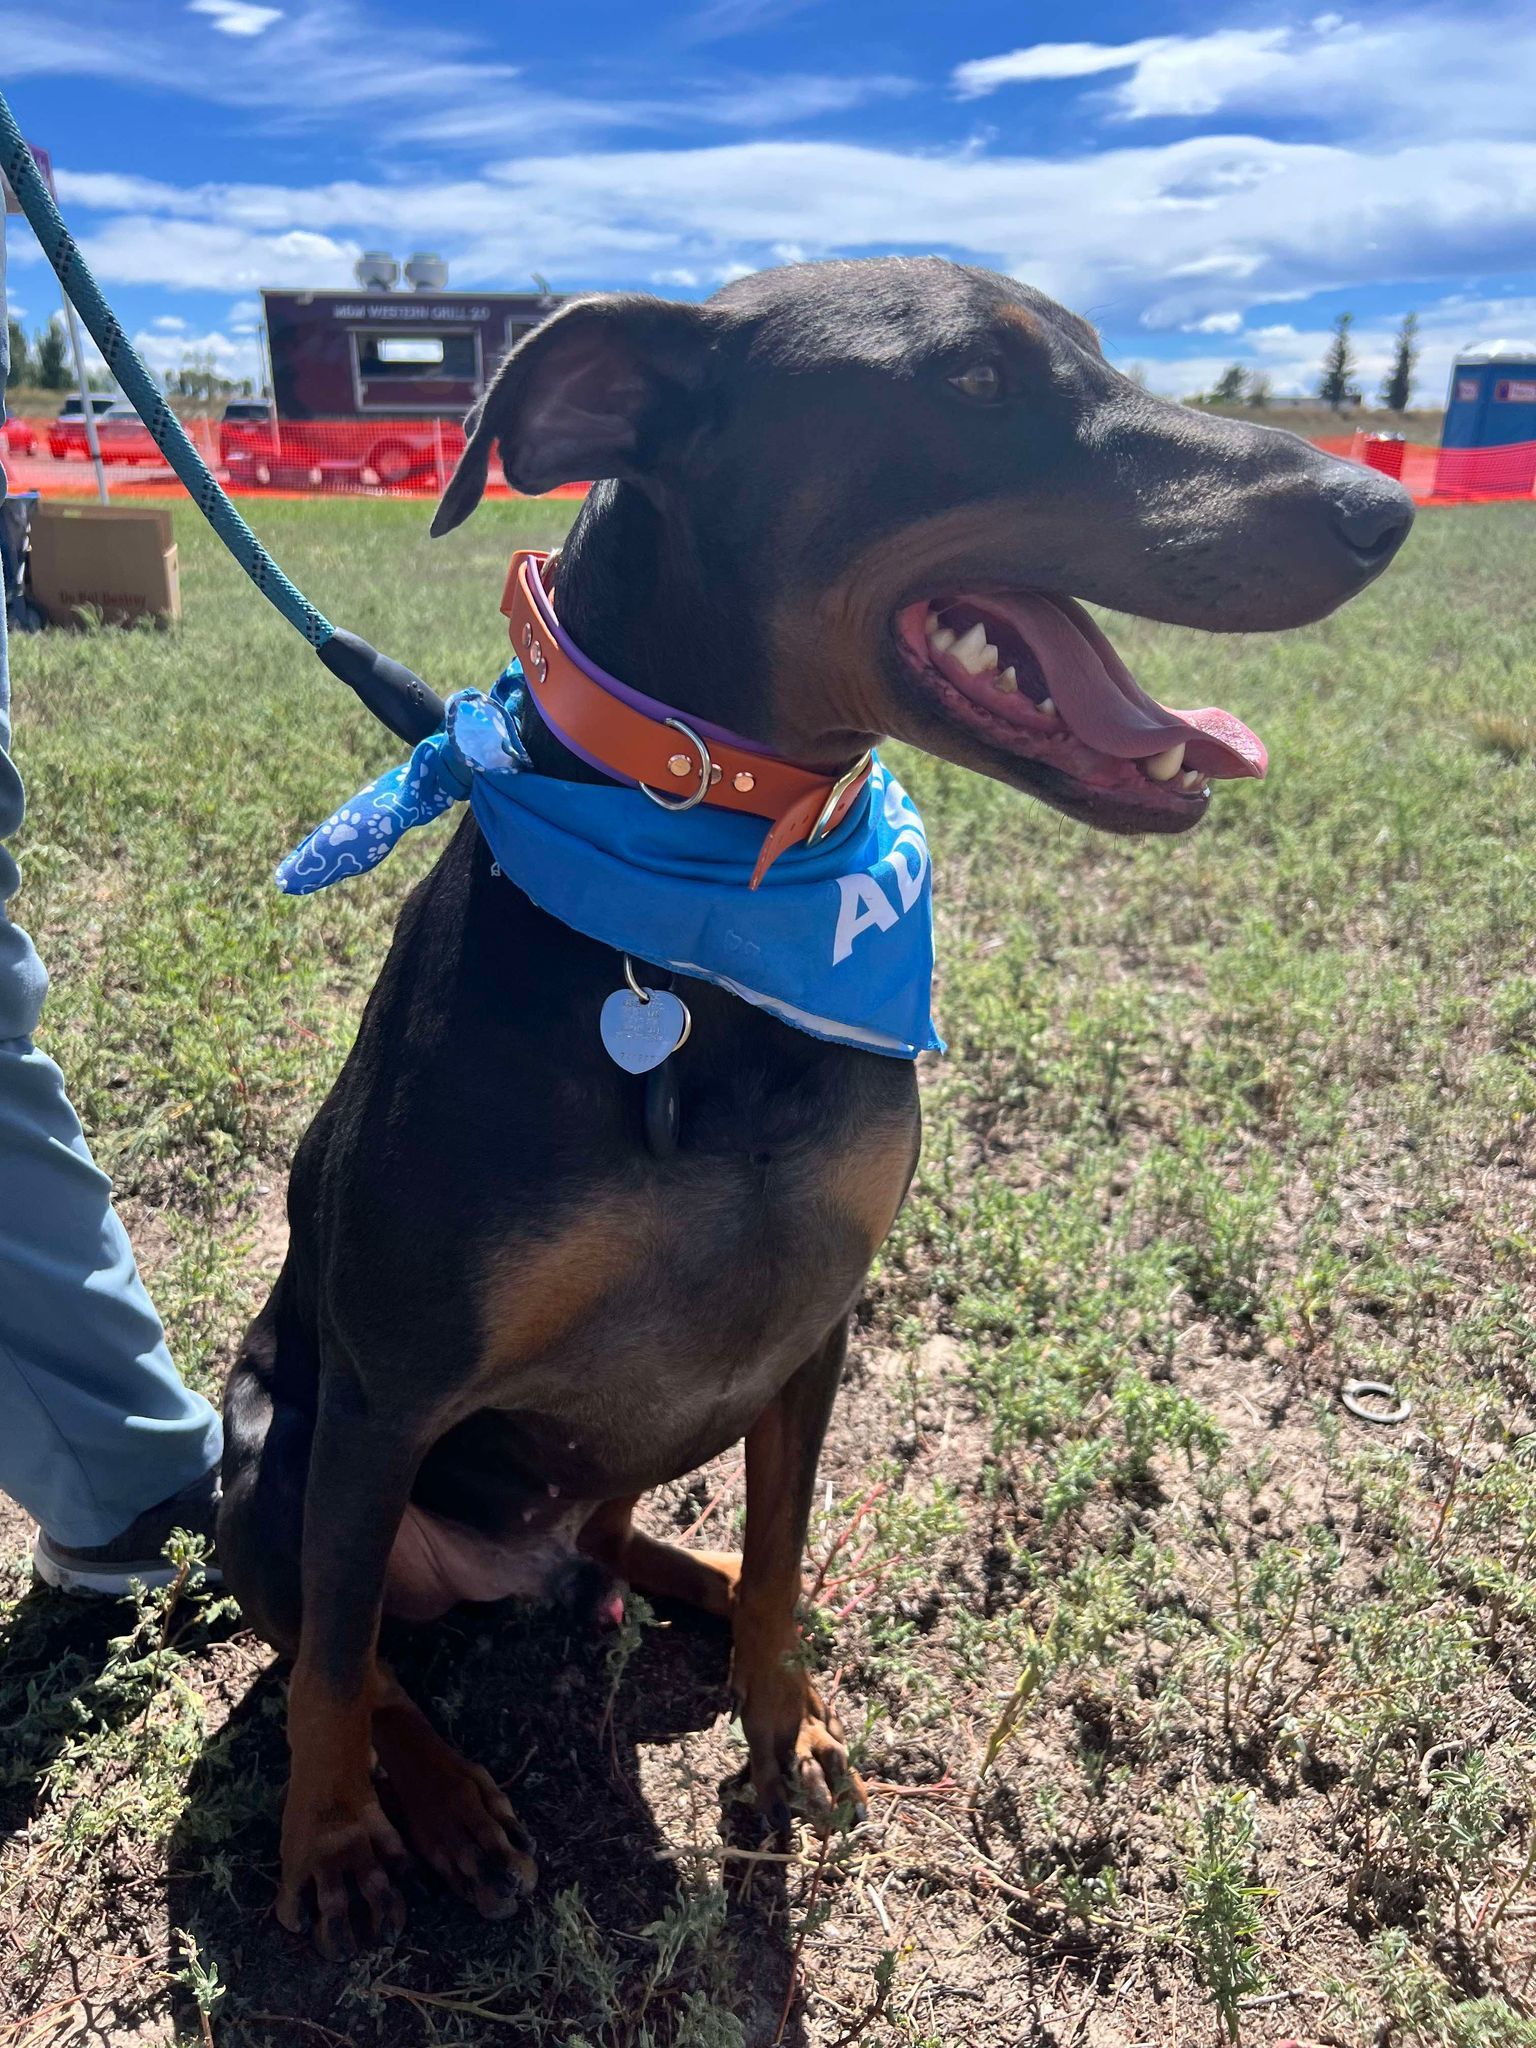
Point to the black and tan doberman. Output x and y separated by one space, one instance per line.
838 501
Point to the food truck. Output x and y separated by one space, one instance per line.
371 386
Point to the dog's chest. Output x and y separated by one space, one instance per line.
565 1310
653 1327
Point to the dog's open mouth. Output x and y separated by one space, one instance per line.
1035 678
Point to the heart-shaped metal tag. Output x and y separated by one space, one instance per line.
640 1031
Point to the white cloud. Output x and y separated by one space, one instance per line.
1168 234
231 356
1199 74
438 86
186 255
1230 263
788 97
364 61
168 323
1216 323
738 17
1052 60
1446 72
236 17
779 101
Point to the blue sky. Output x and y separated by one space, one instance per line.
1208 184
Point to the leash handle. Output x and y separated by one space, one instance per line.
395 694
392 692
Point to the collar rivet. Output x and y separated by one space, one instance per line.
744 781
679 765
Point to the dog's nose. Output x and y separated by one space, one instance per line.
1373 516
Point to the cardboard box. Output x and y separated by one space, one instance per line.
118 559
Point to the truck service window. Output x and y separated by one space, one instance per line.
426 348
412 371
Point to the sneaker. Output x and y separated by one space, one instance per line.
108 1569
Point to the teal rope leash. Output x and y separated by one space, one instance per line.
393 693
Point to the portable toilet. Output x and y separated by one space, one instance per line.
1491 407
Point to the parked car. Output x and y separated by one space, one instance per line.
66 434
247 433
20 437
123 437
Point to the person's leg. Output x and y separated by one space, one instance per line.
95 1426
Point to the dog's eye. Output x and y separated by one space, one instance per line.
982 383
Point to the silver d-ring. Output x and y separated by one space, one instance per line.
706 773
635 989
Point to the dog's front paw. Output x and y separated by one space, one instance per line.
453 1814
340 1865
799 1758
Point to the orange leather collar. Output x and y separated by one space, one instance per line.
676 762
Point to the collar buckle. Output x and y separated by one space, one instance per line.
835 795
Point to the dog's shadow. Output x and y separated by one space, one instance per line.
627 1937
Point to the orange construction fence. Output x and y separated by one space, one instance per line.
383 458
1443 476
410 458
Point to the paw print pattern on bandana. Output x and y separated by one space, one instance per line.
478 739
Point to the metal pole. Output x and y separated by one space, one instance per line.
91 441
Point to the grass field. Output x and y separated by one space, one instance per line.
1193 1707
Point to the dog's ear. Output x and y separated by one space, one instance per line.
602 389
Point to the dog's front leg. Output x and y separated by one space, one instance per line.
340 1854
794 1741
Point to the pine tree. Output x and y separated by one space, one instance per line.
1231 386
21 355
1336 386
50 358
1397 385
1260 390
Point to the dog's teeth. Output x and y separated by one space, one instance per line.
1191 778
942 640
975 653
1046 708
1005 680
1163 767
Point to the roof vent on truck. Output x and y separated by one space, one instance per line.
426 272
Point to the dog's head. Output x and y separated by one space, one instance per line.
849 499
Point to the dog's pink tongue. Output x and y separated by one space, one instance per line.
1105 706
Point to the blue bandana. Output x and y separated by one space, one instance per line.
837 940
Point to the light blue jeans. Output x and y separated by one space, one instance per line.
95 1425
